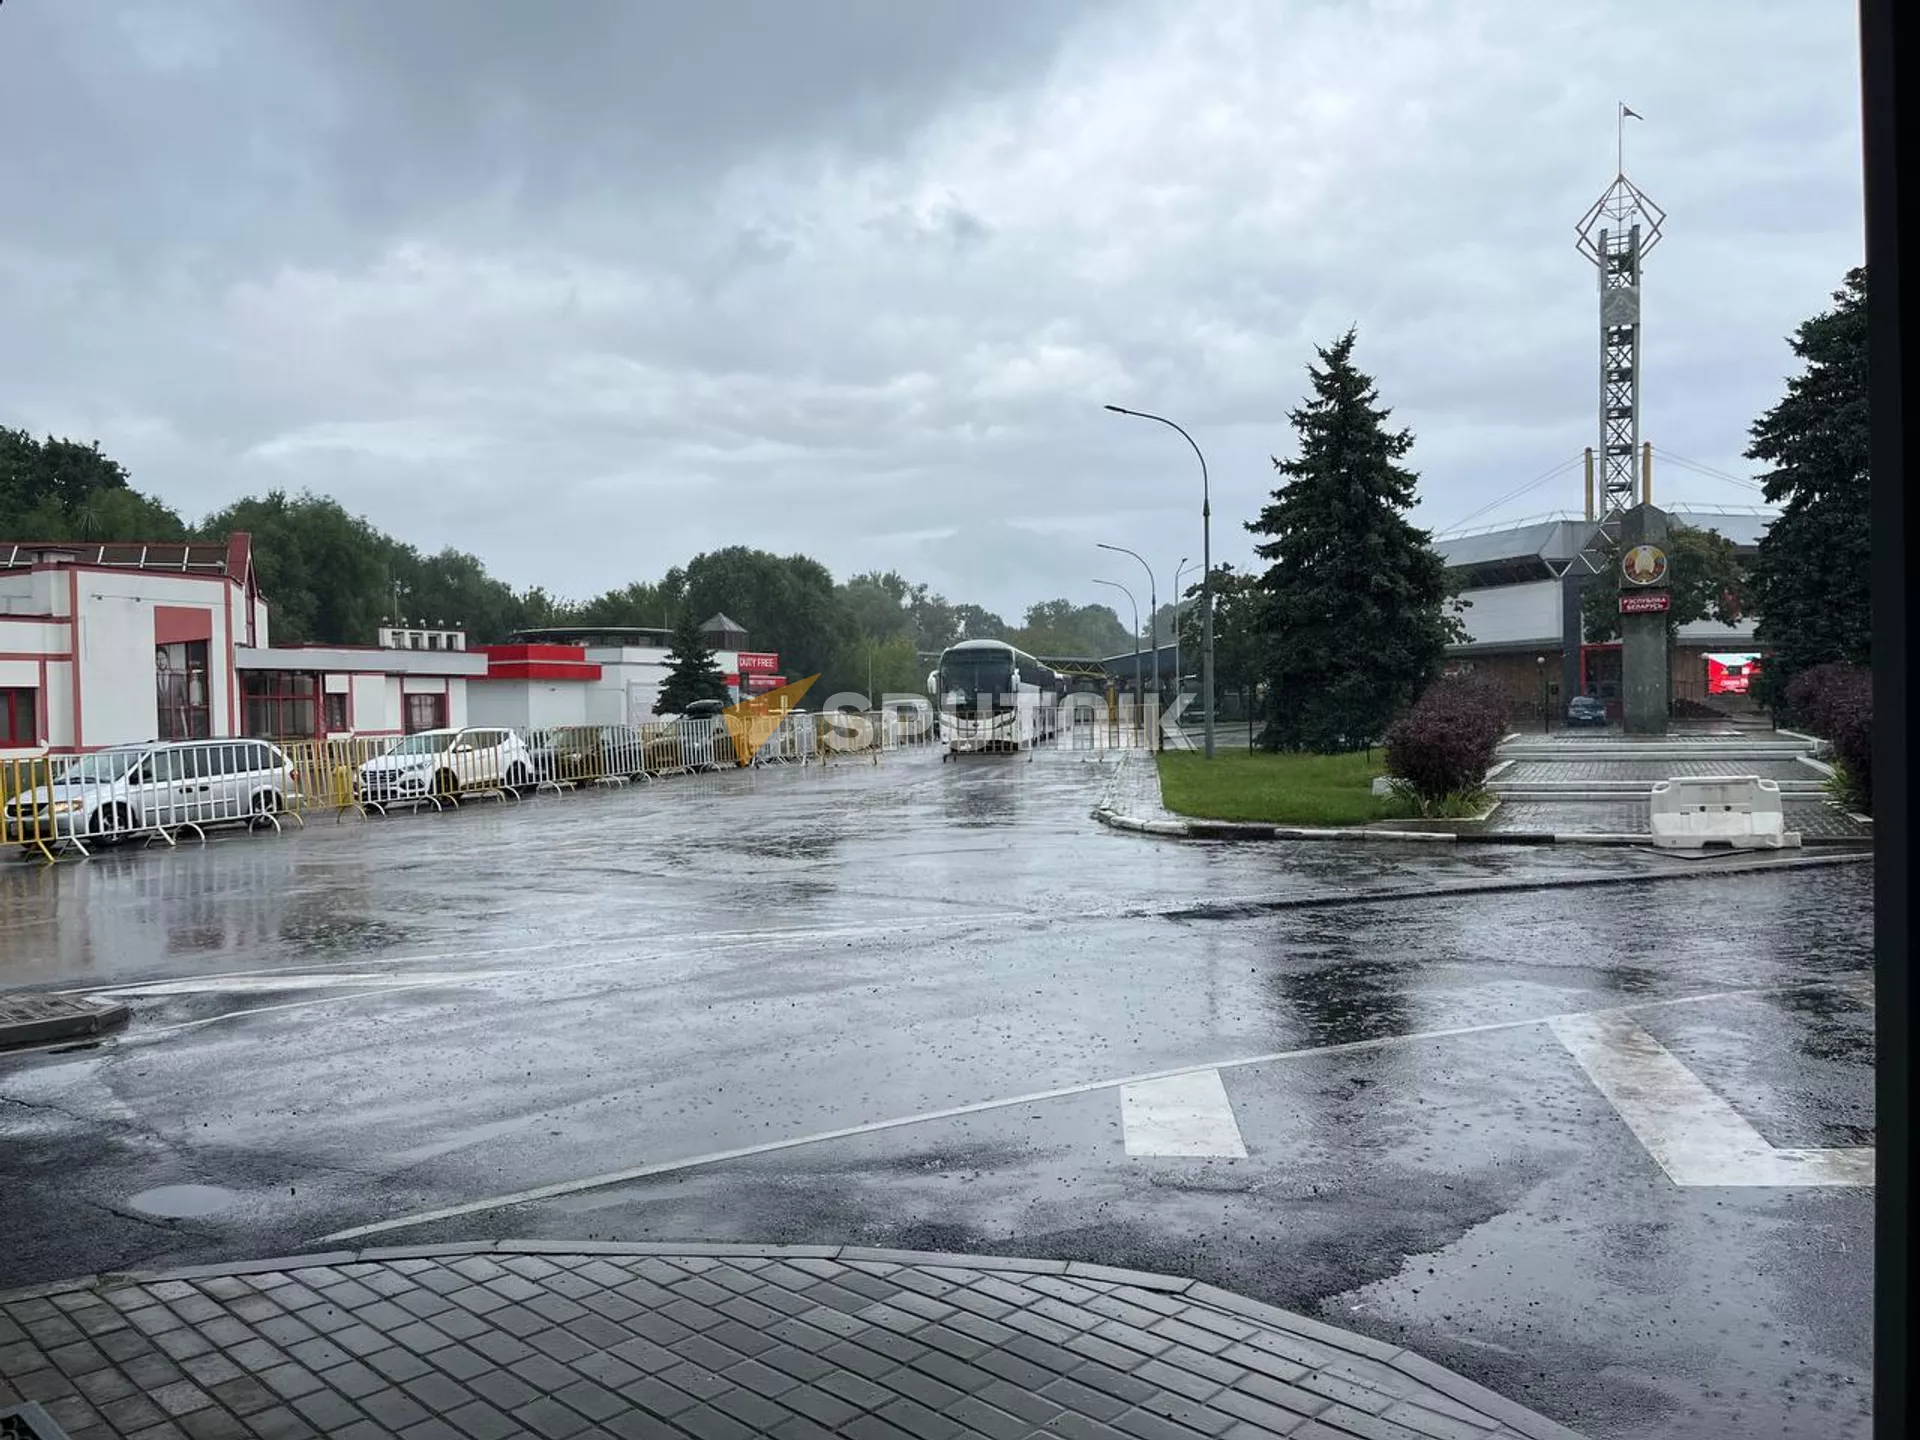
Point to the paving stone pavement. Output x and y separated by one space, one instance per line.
1523 772
1815 819
1134 789
715 1342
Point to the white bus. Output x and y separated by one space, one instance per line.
988 696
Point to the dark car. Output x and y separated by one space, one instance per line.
1586 710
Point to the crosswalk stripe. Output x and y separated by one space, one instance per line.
1697 1137
1181 1115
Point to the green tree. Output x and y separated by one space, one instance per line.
692 673
881 667
454 588
879 604
1239 633
1810 581
936 623
1355 597
62 490
1060 627
637 604
970 622
1704 575
328 576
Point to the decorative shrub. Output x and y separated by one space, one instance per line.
1443 747
1835 702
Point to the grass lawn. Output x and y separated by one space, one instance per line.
1310 790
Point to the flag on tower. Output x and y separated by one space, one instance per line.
1626 114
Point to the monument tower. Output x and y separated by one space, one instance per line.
1616 235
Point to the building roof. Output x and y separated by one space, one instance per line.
1562 536
721 625
362 660
644 636
231 557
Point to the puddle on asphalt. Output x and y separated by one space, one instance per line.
184 1202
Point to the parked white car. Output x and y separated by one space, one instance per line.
445 762
159 785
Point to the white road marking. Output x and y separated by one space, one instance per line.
1087 1087
1697 1137
270 983
1182 1115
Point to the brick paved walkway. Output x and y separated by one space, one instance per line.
715 1342
1525 772
1134 790
1814 819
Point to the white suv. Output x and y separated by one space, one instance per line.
445 762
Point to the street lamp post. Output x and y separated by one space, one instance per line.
1206 569
1136 641
1178 674
1153 613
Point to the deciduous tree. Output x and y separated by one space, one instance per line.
1704 576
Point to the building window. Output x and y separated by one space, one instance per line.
281 704
19 718
426 712
180 674
336 708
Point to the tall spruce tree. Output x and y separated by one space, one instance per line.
1356 598
1810 579
692 672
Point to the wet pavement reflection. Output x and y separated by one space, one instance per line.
374 1020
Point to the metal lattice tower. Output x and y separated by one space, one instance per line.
1617 234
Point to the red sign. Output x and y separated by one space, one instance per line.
1732 674
752 664
1646 603
761 684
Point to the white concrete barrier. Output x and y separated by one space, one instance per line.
1740 811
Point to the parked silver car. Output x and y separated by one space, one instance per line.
159 785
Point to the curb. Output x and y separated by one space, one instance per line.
1246 831
1416 1368
98 1016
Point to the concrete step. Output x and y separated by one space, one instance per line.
1534 794
1576 754
1812 785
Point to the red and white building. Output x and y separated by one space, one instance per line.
628 665
111 644
121 643
105 644
413 680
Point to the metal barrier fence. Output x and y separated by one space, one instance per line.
162 790
151 792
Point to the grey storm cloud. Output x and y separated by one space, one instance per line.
586 288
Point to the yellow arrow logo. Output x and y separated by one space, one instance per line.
756 719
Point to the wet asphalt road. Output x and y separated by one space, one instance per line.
377 1020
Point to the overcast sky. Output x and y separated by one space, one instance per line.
588 287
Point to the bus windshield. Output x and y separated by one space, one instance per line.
976 675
